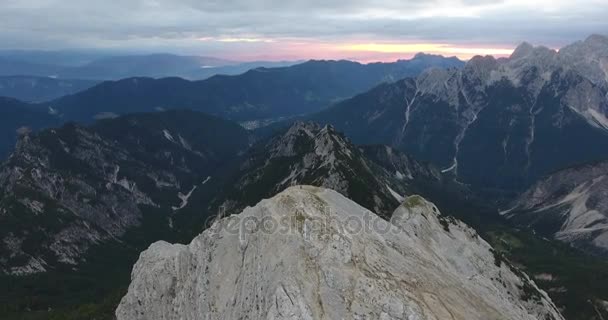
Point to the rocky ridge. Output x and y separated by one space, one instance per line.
376 177
67 189
569 205
420 265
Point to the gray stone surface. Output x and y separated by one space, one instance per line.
419 266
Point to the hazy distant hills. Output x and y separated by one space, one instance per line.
17 118
61 58
161 65
39 89
108 66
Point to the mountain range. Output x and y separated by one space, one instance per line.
75 196
496 123
256 95
98 176
40 89
101 65
92 184
259 93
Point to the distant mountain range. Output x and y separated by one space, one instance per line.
496 123
163 65
40 89
17 118
108 66
258 94
500 125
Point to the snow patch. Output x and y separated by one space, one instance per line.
599 118
184 143
168 135
399 175
184 198
450 168
113 178
397 196
408 106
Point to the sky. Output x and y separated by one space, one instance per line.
246 30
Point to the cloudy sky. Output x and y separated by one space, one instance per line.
299 29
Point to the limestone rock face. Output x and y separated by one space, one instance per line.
311 253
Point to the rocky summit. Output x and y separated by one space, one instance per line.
311 253
375 177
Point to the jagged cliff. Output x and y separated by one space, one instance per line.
326 257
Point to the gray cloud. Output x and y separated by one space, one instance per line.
54 24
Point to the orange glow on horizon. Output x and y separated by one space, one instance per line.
364 51
461 52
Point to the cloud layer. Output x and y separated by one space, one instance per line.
278 27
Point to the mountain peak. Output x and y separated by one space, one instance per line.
597 38
482 62
267 274
423 55
308 153
307 127
522 50
525 50
299 136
